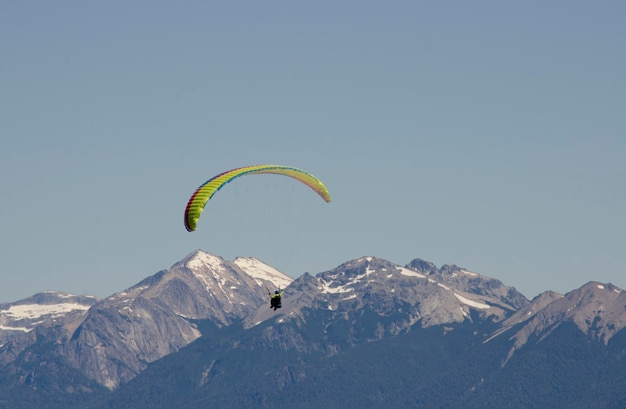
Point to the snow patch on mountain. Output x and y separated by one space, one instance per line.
326 287
20 329
471 303
40 309
35 311
410 273
261 271
201 277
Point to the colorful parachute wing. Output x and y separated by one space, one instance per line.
205 192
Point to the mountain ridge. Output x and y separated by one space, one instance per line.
366 301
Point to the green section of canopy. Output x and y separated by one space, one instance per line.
205 192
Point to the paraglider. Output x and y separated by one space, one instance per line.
205 192
275 299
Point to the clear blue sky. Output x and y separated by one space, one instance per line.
491 135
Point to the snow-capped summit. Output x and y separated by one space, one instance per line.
375 275
199 258
263 274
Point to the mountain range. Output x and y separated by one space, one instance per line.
369 333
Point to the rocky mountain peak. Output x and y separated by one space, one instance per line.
597 309
388 290
474 283
423 266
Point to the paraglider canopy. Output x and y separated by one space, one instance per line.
205 192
